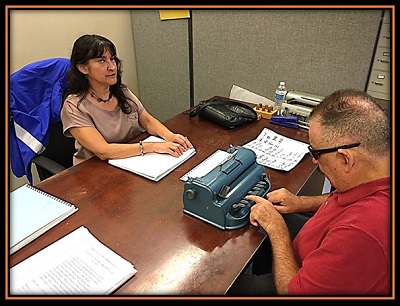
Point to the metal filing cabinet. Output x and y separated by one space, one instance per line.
379 80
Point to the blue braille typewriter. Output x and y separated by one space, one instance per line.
219 196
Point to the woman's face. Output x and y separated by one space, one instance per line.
101 71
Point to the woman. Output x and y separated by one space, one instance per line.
102 114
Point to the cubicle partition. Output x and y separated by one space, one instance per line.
183 61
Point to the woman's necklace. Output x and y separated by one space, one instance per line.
100 99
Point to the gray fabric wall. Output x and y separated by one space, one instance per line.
314 51
162 58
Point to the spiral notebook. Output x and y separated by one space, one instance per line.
33 212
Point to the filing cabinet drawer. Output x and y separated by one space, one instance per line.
384 36
382 59
379 84
384 97
379 80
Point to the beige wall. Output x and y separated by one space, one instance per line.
40 34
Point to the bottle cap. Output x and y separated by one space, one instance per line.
282 83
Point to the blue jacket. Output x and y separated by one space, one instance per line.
35 103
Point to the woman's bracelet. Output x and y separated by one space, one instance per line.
141 148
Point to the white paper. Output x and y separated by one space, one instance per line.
153 166
277 151
215 159
241 94
77 264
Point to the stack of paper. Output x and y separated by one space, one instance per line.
77 264
153 166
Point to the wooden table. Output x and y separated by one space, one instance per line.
143 221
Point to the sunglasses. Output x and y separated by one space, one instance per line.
316 153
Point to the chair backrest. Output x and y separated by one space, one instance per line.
60 150
35 124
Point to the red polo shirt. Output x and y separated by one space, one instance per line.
344 249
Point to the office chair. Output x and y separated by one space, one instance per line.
58 154
35 124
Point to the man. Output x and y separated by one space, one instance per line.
344 248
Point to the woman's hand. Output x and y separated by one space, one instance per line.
182 140
175 146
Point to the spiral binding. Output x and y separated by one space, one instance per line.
49 195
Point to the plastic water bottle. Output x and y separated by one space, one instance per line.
280 97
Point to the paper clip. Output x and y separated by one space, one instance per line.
286 121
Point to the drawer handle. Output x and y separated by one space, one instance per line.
378 83
384 61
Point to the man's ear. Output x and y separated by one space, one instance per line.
349 158
82 68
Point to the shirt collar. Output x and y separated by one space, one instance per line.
361 191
